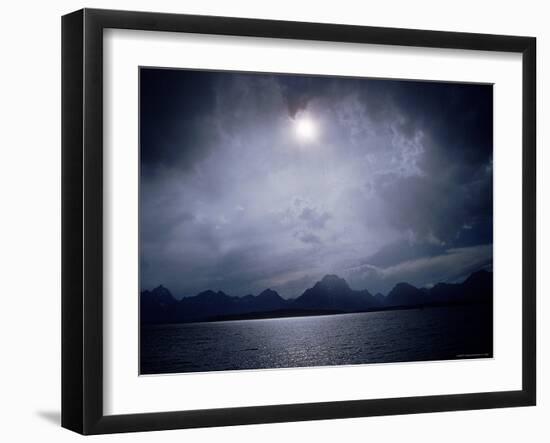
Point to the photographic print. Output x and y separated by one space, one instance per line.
306 221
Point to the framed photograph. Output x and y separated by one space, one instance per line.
269 221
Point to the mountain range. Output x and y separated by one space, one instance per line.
330 295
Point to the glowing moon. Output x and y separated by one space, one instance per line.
306 129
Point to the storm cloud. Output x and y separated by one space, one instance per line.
395 185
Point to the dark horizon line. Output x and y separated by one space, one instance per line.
218 291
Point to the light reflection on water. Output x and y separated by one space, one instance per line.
374 337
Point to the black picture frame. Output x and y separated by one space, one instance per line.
82 218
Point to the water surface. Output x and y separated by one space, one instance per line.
373 337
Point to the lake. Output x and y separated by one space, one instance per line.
437 333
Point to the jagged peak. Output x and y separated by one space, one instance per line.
481 274
161 290
269 293
160 293
403 284
332 281
331 278
403 288
211 294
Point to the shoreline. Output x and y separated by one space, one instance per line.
295 313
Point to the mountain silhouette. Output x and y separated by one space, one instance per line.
330 295
204 305
266 301
156 306
333 292
404 294
477 288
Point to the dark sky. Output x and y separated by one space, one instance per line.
250 181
